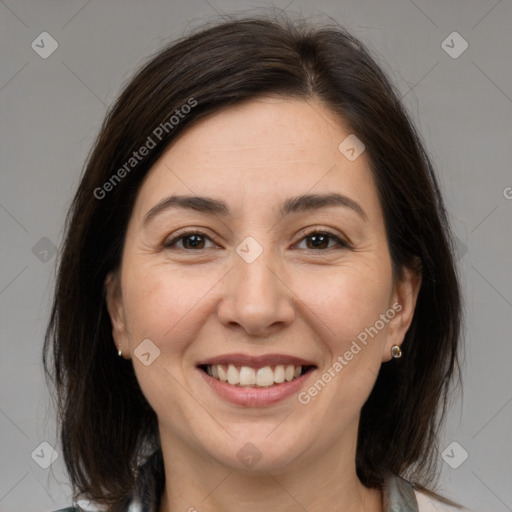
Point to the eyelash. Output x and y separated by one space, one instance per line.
341 244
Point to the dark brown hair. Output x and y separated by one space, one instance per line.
107 428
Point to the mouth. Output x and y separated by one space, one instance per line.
255 377
255 381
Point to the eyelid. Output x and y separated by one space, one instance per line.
341 241
184 233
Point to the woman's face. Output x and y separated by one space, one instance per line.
280 261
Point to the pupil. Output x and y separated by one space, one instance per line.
193 240
318 240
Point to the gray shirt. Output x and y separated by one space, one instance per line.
398 496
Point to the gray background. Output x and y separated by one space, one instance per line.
51 110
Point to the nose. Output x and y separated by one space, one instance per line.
257 299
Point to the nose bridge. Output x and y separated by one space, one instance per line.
256 281
257 299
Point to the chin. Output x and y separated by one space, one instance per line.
256 454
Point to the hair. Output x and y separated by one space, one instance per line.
106 426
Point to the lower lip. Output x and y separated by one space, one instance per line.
256 397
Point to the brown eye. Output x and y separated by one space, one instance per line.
193 242
317 240
189 241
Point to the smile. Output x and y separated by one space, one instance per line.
247 376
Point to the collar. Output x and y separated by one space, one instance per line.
398 496
397 493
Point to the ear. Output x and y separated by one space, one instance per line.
114 301
403 303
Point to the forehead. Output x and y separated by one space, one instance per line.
269 148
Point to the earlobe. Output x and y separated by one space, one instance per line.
403 302
114 303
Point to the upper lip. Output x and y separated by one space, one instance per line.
256 361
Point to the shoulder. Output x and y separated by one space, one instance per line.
81 506
429 504
86 506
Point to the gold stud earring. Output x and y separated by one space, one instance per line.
396 351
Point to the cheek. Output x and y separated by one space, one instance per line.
167 307
163 304
347 300
351 334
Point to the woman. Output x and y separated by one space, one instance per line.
256 306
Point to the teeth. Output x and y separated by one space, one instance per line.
247 376
223 376
279 374
264 377
233 375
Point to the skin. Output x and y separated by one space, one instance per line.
293 299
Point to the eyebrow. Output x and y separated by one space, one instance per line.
211 206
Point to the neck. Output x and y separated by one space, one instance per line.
195 482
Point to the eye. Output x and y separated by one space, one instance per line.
192 240
315 240
321 240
